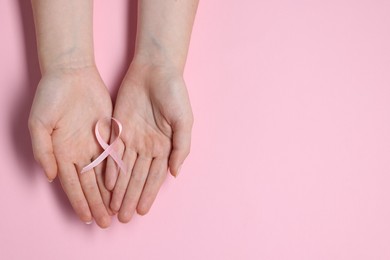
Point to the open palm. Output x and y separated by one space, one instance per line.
66 107
155 111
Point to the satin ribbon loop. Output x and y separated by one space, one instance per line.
108 149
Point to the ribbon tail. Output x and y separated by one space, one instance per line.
119 161
96 162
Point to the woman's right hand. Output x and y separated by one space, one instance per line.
67 104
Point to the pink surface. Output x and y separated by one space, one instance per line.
291 143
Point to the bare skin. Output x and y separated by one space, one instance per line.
66 106
152 104
155 110
70 98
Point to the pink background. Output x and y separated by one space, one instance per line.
291 143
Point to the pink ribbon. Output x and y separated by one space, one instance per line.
108 149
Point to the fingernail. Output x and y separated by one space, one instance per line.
49 180
89 222
178 171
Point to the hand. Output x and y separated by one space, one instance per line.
66 107
155 111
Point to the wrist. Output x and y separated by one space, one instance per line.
64 33
145 65
75 68
159 57
144 68
71 60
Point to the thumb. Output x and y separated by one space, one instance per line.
43 149
181 144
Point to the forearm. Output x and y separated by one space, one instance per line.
64 33
164 31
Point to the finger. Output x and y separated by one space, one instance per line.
112 168
157 175
43 149
95 201
136 185
181 143
122 183
106 194
71 184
